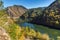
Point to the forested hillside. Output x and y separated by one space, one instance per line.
51 15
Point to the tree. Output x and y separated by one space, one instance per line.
1 4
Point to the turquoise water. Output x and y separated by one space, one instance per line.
27 25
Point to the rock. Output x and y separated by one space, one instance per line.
4 35
16 11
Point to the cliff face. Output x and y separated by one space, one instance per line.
16 11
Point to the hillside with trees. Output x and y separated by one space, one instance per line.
51 15
20 23
9 30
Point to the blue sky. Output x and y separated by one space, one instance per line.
28 3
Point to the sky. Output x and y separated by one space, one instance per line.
28 3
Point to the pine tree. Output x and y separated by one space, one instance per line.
1 5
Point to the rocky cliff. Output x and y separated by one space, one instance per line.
16 11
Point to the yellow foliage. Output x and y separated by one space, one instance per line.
20 33
33 14
52 14
17 30
30 33
33 32
38 35
22 37
57 22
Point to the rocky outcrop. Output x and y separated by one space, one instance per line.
4 35
16 11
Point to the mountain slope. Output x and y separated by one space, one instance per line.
51 15
15 31
16 11
30 15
